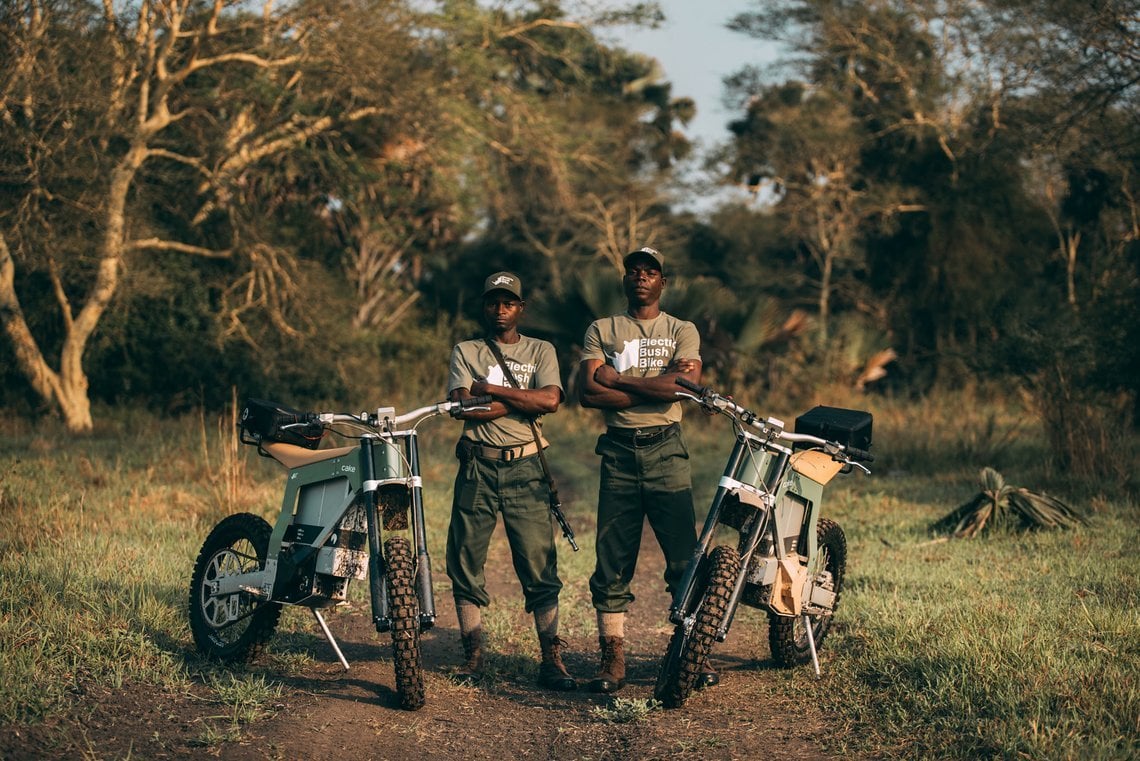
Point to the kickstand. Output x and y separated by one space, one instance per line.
811 644
340 655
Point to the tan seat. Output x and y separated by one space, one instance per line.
293 456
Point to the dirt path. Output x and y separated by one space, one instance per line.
329 713
354 714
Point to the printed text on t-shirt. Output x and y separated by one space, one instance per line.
643 354
496 376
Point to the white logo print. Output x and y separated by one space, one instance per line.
495 376
627 358
502 280
644 354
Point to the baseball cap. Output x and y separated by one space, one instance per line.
503 281
652 253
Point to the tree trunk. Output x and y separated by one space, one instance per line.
43 380
1071 244
825 295
67 389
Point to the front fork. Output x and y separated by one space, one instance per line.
376 566
419 536
688 589
377 576
691 588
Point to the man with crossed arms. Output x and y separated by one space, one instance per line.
630 364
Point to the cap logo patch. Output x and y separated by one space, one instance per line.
502 280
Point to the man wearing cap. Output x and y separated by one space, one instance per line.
500 473
630 363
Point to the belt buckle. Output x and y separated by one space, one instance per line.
650 437
647 438
509 455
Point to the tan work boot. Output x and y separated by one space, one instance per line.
471 670
707 677
611 671
552 674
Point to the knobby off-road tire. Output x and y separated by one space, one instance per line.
787 635
404 610
237 545
671 667
678 683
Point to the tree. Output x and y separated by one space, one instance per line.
804 146
277 144
581 135
95 104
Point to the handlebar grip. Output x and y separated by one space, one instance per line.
476 401
861 455
688 384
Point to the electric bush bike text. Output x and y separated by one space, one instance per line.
788 561
347 514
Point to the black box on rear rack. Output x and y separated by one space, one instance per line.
264 422
848 427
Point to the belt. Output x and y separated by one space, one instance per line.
506 454
641 437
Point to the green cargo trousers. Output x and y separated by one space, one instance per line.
517 489
638 482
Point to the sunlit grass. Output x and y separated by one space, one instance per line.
1014 645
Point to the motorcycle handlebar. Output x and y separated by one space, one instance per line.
712 400
379 420
688 384
442 407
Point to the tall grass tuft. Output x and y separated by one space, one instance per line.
229 484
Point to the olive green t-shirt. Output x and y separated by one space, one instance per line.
533 364
643 348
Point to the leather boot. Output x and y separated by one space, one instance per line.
611 671
707 677
552 674
471 670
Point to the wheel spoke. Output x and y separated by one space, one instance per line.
231 626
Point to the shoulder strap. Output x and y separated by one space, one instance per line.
494 347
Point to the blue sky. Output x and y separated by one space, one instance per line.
696 52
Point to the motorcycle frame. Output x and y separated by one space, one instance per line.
759 472
386 460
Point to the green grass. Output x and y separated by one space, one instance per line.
1011 645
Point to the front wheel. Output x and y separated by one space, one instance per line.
669 675
687 654
404 611
787 635
232 627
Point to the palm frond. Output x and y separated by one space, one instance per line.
1000 504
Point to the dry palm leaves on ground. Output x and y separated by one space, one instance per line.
999 504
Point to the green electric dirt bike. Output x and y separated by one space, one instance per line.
337 506
788 560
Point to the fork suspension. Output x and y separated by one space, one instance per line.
377 581
419 537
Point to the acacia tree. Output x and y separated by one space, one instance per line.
98 106
927 90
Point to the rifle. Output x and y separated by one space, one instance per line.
555 502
